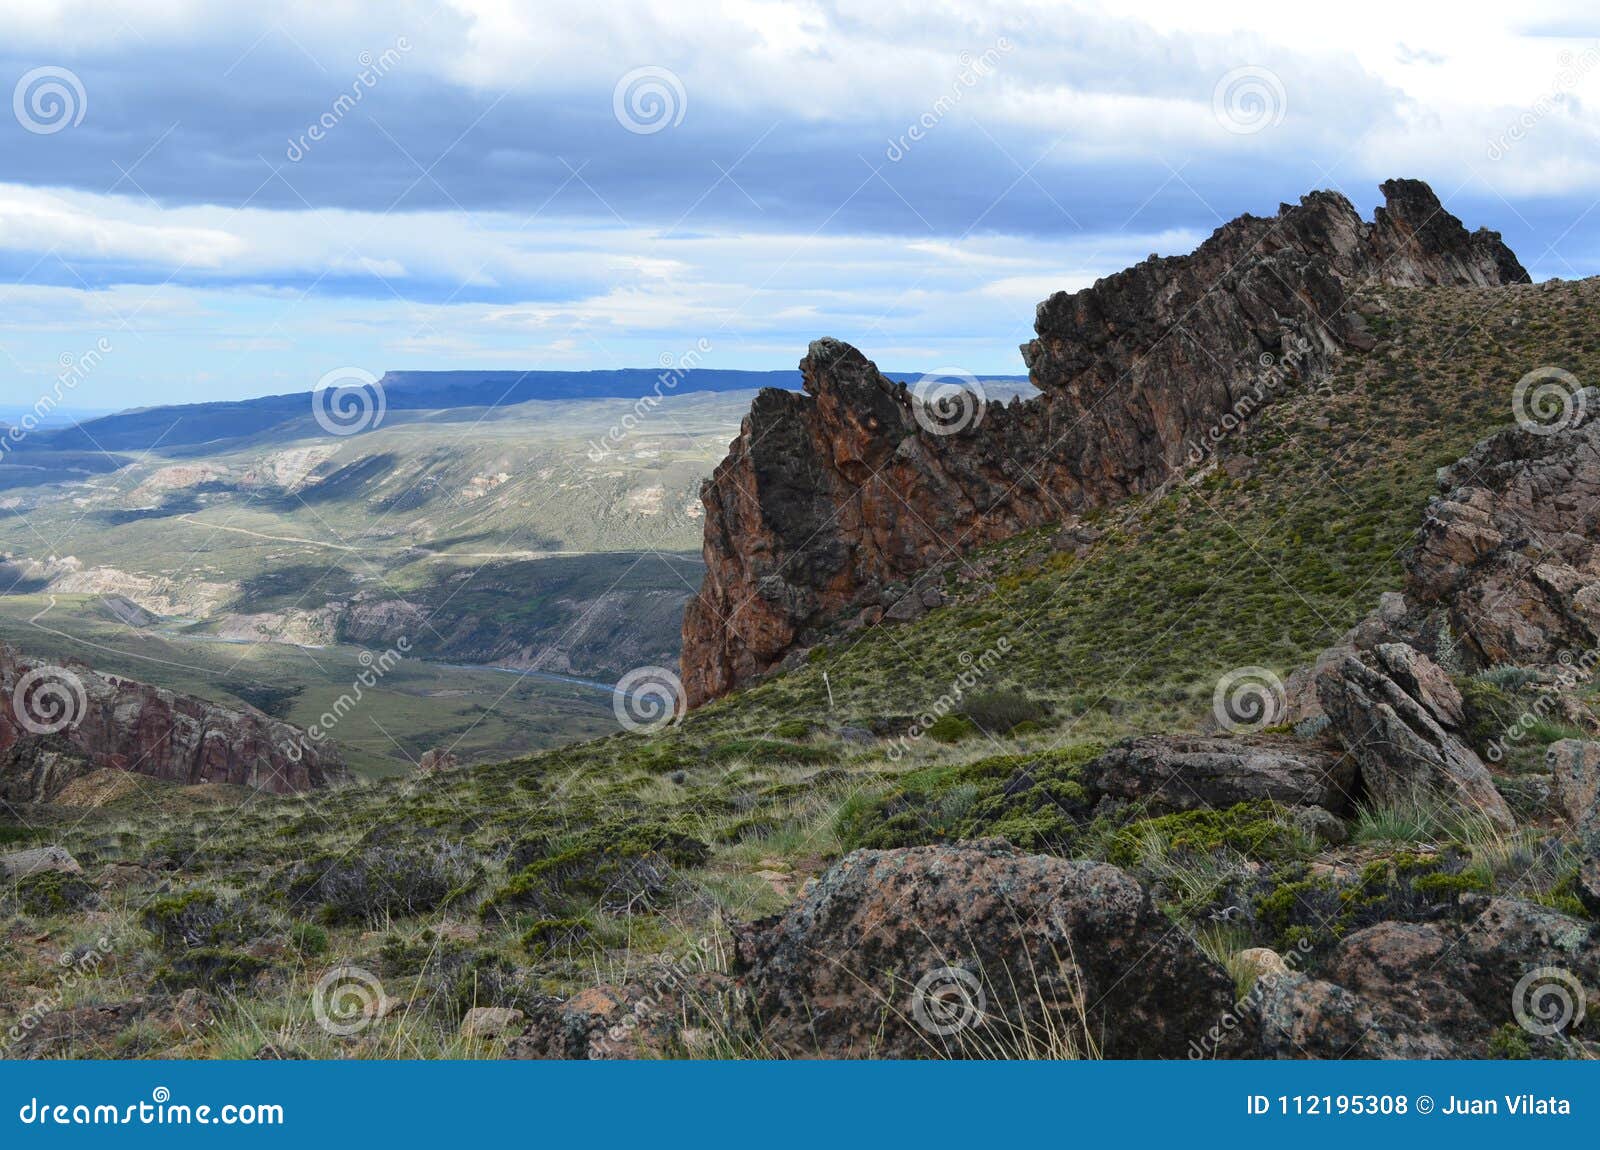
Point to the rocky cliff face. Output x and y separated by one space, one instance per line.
58 722
1510 549
831 504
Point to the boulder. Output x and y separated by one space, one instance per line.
491 1022
1167 773
977 949
1305 1017
35 860
1405 755
1425 681
1510 548
1574 766
1441 989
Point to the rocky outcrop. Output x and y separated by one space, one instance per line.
831 503
60 721
1574 766
1510 549
1406 744
978 950
1164 773
1439 989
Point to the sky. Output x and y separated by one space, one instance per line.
208 201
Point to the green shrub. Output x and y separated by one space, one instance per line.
793 729
549 935
1001 711
55 892
951 729
1259 831
384 880
309 939
1036 801
772 751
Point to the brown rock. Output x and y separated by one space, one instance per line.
103 721
1404 754
34 860
1304 1017
1424 680
1511 547
976 949
491 1022
1183 773
827 495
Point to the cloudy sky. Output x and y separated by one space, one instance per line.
240 199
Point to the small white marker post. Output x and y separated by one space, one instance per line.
828 685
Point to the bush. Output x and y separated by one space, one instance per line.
951 729
380 881
612 867
203 933
1035 801
555 934
55 892
1002 711
1508 677
793 729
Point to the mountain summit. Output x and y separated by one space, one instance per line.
833 504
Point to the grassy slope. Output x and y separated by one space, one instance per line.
1262 570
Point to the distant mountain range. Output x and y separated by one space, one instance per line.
180 426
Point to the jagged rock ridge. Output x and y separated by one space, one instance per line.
58 723
832 503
